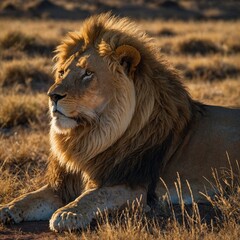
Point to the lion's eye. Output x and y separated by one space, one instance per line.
87 77
88 73
60 73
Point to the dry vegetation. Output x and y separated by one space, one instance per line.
207 55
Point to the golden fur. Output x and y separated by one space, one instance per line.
162 105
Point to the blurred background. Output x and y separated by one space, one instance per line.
152 9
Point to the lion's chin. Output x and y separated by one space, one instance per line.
62 124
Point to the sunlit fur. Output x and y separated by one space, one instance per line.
144 112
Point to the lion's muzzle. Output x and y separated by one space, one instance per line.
56 97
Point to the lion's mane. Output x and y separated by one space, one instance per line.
163 113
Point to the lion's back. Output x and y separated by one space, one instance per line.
212 141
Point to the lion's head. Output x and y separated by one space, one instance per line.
85 88
111 85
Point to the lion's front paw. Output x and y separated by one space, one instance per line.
10 214
67 221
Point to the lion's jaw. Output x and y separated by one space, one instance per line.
62 124
69 115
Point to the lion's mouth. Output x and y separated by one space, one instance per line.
58 114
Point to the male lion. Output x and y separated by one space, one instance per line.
121 120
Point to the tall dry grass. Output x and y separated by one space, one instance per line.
22 110
26 75
184 221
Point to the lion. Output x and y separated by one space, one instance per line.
121 120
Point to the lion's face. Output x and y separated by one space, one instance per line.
82 89
88 91
93 99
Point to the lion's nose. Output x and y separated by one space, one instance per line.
56 97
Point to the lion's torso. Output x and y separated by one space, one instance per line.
212 141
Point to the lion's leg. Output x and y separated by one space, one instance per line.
33 206
80 212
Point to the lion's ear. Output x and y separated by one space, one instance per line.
129 58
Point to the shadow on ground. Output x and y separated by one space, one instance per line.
28 230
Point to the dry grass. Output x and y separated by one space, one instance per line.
27 74
214 71
134 224
22 160
21 148
22 110
195 46
225 93
30 44
208 56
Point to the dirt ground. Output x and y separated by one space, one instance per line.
28 230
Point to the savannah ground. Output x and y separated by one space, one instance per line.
207 55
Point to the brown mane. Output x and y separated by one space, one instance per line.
163 110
